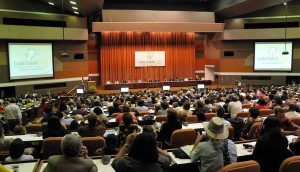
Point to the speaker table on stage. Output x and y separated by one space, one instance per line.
91 84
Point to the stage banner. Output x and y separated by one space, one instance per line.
150 58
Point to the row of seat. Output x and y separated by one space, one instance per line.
51 146
182 137
291 164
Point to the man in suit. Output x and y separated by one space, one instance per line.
70 161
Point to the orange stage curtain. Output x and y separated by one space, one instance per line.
118 50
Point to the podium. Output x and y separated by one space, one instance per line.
91 84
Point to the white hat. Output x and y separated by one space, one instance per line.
216 128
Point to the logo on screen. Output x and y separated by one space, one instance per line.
150 55
272 51
30 53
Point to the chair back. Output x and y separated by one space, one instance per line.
245 166
265 112
161 118
3 155
192 119
231 132
291 164
182 137
246 106
253 129
209 116
114 115
34 128
93 143
242 114
51 146
144 113
152 108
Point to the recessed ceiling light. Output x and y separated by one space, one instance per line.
75 8
51 3
73 2
76 12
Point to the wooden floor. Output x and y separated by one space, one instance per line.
101 90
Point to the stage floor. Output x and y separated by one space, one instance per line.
101 90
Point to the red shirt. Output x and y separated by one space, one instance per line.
120 116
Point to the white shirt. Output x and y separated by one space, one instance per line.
21 158
292 114
234 108
13 111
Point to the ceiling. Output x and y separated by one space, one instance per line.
223 8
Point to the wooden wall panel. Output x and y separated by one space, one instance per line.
93 67
236 68
75 66
70 74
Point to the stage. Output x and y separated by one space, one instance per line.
101 89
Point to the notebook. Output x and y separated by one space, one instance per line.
187 149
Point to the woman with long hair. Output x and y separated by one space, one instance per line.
171 125
54 128
142 155
271 148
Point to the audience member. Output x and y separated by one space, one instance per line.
54 128
171 125
262 104
12 115
111 146
114 109
74 126
43 105
221 114
78 109
217 151
101 117
93 129
163 155
19 129
126 109
234 107
164 107
271 147
72 148
252 118
200 110
292 111
126 128
143 154
64 118
140 106
4 142
17 151
294 146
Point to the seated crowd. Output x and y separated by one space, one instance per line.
135 147
180 79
